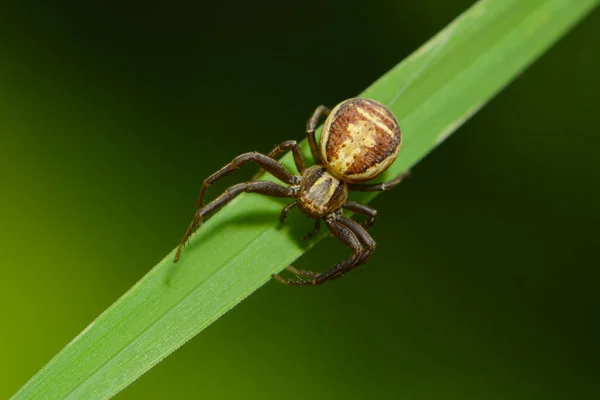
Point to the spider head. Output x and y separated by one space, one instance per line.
321 192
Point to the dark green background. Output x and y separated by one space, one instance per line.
485 281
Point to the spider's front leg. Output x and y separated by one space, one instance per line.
272 166
354 236
282 148
262 187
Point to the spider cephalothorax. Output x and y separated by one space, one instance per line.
361 139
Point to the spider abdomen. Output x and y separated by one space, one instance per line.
361 138
321 192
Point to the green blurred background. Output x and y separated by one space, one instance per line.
485 281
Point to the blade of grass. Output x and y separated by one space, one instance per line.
432 93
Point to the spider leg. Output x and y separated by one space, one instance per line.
286 210
378 187
362 209
364 237
310 131
282 148
262 187
274 167
301 272
346 236
314 231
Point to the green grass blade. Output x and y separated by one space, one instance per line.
432 93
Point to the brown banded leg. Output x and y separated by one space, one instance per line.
314 231
346 236
364 237
286 210
366 240
362 209
282 148
310 131
274 167
378 187
262 187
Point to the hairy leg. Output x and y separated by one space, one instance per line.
261 187
346 236
364 237
272 166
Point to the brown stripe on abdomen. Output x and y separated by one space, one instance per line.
361 138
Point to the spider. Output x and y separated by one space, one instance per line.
360 139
